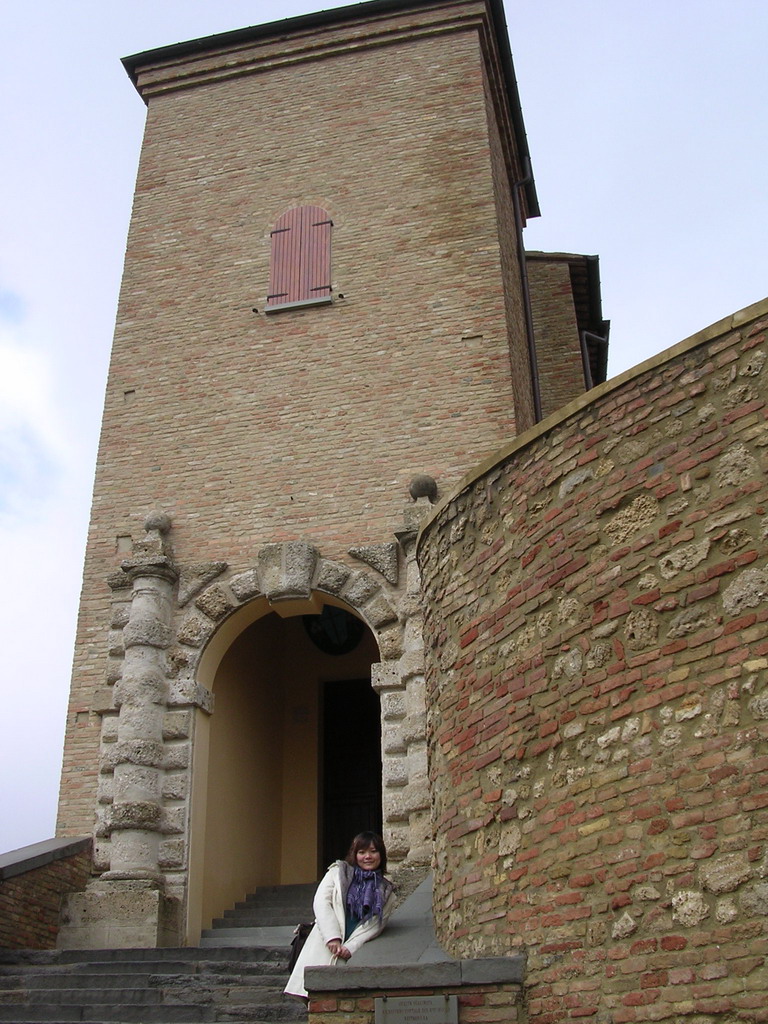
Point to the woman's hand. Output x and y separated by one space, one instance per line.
337 948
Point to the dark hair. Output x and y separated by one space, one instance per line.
363 841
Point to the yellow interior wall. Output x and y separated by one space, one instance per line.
201 748
299 832
244 771
305 670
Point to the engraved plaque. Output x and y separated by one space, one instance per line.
417 1010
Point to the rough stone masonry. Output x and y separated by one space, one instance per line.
596 630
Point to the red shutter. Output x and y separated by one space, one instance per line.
316 252
300 265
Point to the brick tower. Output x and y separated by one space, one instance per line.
323 323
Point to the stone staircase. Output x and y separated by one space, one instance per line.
237 974
265 918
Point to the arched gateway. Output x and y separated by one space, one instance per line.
250 724
291 760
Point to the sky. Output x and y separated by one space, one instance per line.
646 122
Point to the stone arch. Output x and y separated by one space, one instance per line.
293 579
286 576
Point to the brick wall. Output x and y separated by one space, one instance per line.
31 894
249 429
477 1004
558 350
597 638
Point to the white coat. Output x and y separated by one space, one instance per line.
330 917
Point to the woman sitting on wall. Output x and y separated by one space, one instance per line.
351 905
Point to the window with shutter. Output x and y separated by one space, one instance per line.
300 262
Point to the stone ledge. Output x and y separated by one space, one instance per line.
450 974
408 955
28 858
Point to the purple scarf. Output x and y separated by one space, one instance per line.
364 897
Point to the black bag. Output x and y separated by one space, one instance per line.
300 935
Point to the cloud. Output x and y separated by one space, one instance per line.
42 531
12 307
33 445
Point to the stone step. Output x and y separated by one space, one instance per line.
252 938
189 986
223 969
118 995
55 1015
162 955
122 997
286 1010
77 980
236 975
282 895
261 975
139 967
266 989
253 918
47 1013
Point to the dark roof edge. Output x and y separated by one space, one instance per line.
515 107
38 855
360 10
558 257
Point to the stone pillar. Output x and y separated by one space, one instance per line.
135 821
414 728
400 684
127 905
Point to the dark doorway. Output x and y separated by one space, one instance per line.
351 765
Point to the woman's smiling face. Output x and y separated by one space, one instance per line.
368 859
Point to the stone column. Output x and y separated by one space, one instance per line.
400 684
127 906
414 727
140 696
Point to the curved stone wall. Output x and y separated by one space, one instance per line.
596 630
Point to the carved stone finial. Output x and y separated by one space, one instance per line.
153 555
157 521
423 486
